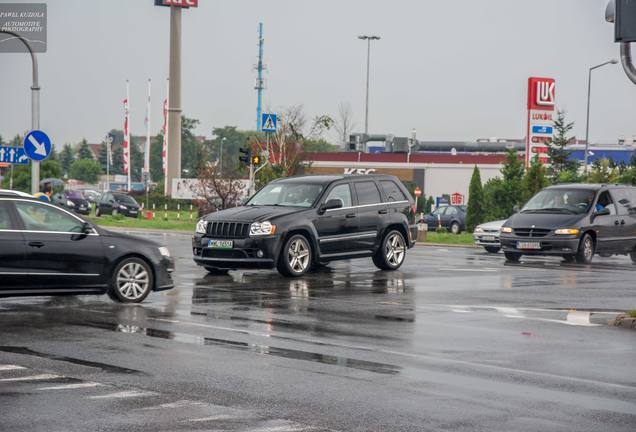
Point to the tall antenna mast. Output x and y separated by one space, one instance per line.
260 81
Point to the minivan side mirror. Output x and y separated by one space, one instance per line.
603 212
335 203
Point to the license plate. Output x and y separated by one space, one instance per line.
528 245
488 238
220 244
133 212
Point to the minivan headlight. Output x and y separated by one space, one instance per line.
262 228
567 231
506 229
202 226
70 203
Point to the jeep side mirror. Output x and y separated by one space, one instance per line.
515 210
331 204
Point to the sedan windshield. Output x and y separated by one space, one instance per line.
287 194
573 201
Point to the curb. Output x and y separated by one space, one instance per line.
453 245
624 321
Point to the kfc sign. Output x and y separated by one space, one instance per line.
361 171
177 3
541 93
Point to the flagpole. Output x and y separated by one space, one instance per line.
147 148
166 143
129 144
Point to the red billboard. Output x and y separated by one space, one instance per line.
177 3
541 100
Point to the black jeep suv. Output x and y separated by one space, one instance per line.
574 221
294 223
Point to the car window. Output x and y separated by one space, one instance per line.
392 191
451 211
625 201
42 217
605 201
342 192
5 219
368 193
439 211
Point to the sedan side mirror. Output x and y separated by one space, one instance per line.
335 203
87 228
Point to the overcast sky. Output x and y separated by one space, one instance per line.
451 69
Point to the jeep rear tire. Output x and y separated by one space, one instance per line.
392 251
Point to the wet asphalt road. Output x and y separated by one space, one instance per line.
454 341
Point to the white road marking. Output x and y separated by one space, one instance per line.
580 318
40 377
486 270
177 404
8 367
124 394
212 418
282 428
510 312
460 309
72 386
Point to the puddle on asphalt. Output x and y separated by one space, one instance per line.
369 366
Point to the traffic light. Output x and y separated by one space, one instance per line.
256 160
245 155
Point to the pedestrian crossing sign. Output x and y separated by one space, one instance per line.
269 123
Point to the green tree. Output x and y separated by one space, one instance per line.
118 160
632 160
156 159
497 203
429 205
85 170
232 139
66 157
84 151
602 172
22 174
137 161
193 153
559 157
103 156
475 210
628 176
534 180
320 146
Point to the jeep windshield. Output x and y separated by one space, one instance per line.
567 201
287 195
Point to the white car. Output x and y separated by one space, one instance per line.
487 235
12 192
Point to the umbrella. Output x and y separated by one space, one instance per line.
54 182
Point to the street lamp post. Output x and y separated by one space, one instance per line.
366 107
587 121
35 107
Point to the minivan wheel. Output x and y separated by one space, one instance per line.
392 251
97 213
585 254
454 228
131 282
512 256
295 256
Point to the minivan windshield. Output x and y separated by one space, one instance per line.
572 201
125 199
287 194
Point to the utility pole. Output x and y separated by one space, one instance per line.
174 108
587 120
260 82
35 107
366 105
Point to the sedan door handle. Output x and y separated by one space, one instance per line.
383 211
36 244
350 215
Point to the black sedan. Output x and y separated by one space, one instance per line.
72 200
45 249
113 203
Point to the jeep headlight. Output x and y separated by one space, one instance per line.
202 226
506 229
164 251
262 228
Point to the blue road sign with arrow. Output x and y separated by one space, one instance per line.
37 145
13 155
269 123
